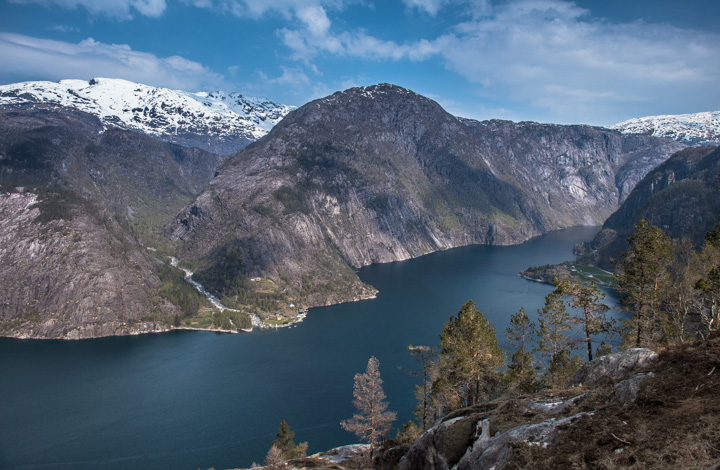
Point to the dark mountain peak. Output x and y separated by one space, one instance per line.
381 90
375 100
382 114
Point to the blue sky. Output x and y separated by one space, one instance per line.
589 61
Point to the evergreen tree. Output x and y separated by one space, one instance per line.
708 285
680 299
587 298
285 443
521 371
639 277
469 359
553 342
409 432
372 421
425 410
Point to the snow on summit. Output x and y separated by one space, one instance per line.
219 122
698 128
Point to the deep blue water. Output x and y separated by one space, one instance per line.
188 400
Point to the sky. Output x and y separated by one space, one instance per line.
595 62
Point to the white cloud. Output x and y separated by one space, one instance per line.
315 19
310 41
431 7
258 8
551 54
292 76
64 29
28 58
122 9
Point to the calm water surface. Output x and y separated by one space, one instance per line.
188 400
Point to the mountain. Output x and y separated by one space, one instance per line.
79 201
694 129
680 196
378 174
218 122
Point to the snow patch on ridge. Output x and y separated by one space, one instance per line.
698 128
159 112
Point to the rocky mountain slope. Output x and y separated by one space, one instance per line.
633 409
696 129
77 201
378 174
218 122
680 196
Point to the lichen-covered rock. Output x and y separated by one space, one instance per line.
494 452
612 367
626 391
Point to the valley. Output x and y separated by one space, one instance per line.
374 193
369 175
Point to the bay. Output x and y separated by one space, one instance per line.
188 400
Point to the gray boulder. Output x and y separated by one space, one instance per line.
612 367
443 445
494 452
627 390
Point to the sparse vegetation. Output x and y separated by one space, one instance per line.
175 289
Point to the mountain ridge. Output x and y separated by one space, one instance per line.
217 122
380 173
695 129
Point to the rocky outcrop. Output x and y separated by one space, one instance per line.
627 390
644 410
379 174
612 367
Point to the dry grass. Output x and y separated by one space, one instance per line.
674 423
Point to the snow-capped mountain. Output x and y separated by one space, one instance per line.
699 128
218 122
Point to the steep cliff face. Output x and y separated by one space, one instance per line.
75 276
138 178
580 172
379 174
680 196
77 201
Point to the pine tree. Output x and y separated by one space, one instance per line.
469 359
553 342
285 443
639 277
680 298
521 371
424 411
372 421
587 298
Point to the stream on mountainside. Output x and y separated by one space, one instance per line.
196 399
254 318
